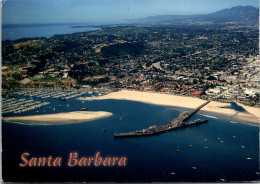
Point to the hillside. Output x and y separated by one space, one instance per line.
247 15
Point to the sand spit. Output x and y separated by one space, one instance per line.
59 118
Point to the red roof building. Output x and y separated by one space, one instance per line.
196 93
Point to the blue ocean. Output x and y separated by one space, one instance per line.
211 152
18 31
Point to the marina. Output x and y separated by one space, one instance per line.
16 106
26 100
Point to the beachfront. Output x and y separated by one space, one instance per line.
60 118
251 114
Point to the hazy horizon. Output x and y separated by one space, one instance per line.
106 11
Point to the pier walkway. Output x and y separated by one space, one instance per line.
186 115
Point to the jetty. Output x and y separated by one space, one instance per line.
175 123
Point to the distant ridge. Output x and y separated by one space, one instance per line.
248 15
245 14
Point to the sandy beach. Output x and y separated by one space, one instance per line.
251 114
59 118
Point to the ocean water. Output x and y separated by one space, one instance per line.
14 32
149 159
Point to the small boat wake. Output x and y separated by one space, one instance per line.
210 116
244 123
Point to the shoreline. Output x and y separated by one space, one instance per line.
251 114
59 118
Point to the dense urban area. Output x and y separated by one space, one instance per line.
191 60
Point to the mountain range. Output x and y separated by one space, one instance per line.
247 15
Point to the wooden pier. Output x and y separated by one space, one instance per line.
194 111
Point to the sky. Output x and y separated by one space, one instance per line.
91 11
